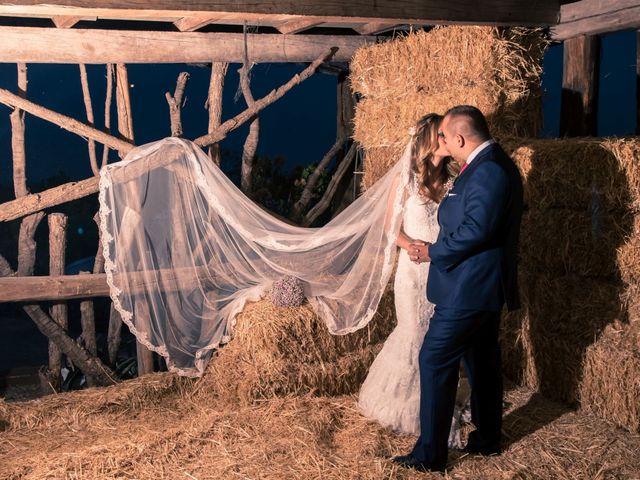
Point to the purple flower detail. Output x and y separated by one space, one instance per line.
287 292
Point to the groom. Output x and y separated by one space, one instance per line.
472 276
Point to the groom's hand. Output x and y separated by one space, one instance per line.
419 251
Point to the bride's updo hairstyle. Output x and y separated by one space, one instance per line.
432 179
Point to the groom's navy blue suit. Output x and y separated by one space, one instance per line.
473 274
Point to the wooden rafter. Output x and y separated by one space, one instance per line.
68 21
69 287
194 22
298 25
590 17
50 45
372 28
541 12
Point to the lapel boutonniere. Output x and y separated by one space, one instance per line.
449 185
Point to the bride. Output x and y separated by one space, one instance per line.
185 250
391 393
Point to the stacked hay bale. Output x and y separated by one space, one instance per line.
497 70
577 339
574 339
279 351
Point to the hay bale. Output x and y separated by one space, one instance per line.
544 344
588 174
610 386
628 255
562 241
496 69
279 351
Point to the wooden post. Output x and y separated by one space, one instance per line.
57 244
107 111
214 104
307 193
17 137
345 113
251 142
330 192
579 112
175 104
86 95
88 323
123 101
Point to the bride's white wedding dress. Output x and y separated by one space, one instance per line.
391 392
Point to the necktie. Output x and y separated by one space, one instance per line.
463 167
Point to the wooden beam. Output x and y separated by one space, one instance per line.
578 113
374 28
70 287
506 12
590 17
194 22
68 21
68 123
49 45
291 27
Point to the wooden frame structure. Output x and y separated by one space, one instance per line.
119 32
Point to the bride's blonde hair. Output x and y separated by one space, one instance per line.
432 178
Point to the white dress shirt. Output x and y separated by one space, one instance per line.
479 149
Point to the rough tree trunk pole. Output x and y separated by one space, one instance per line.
75 190
107 111
57 245
579 102
17 138
307 193
86 95
125 128
123 101
87 313
214 104
251 142
29 224
175 105
325 201
347 188
70 124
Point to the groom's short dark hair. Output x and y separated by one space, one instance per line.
476 120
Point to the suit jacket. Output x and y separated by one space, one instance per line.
474 259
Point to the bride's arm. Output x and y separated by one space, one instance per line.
403 240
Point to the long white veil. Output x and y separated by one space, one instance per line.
185 249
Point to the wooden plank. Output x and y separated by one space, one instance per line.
70 287
49 45
541 12
578 113
68 21
194 22
591 17
291 27
570 12
373 28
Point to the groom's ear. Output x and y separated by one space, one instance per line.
460 140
